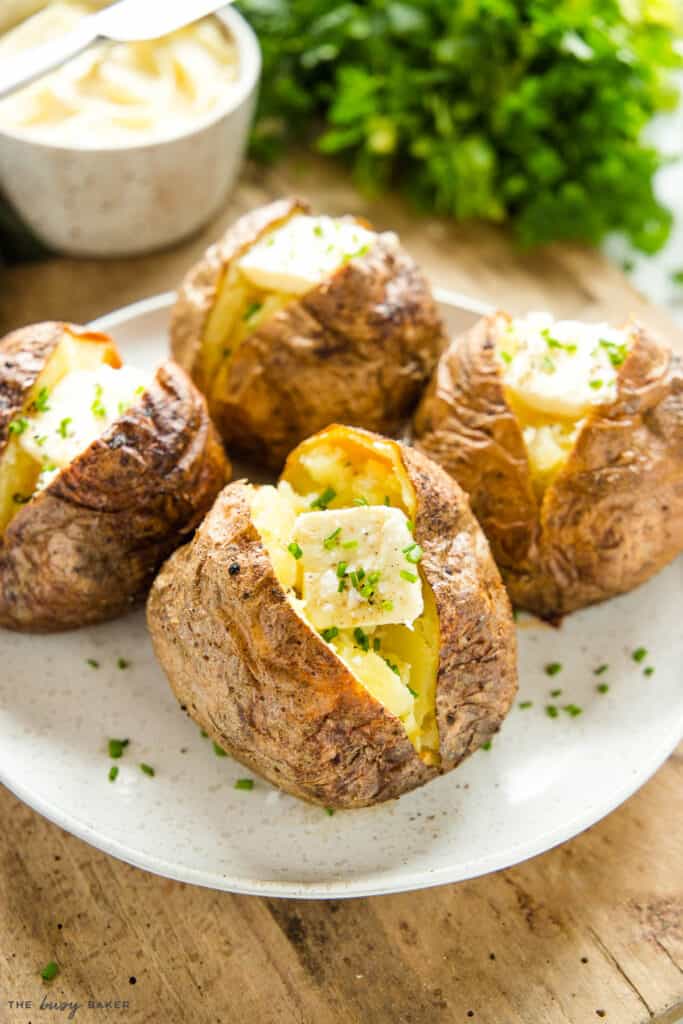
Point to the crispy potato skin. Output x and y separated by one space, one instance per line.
357 349
614 515
266 687
88 546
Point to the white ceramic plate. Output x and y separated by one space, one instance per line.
542 781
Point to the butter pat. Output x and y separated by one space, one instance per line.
303 252
355 567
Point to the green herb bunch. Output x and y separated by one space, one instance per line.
529 111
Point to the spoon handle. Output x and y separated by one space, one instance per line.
37 61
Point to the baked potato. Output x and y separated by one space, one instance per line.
346 634
568 438
104 470
292 322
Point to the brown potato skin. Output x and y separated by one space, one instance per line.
612 518
357 349
268 690
87 547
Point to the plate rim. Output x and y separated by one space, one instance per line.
371 885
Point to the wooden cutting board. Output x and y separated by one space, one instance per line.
590 931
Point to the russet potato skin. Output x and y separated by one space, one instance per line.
88 546
267 688
612 518
356 349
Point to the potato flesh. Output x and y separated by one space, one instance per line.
554 373
401 674
19 471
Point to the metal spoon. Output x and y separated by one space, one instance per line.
124 22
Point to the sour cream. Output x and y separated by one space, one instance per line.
118 93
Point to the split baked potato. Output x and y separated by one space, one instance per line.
292 322
568 438
346 634
104 470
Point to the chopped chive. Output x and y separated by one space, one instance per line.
506 357
409 576
387 500
553 668
392 666
387 606
361 501
113 773
376 643
551 711
18 426
648 671
602 687
324 499
64 426
117 747
332 539
341 570
329 811
555 693
595 384
348 544
361 638
218 750
600 670
40 403
252 309
486 745
524 704
122 663
204 734
317 230
413 553
572 709
96 407
410 524
617 353
140 389
294 550
341 586
92 662
244 784
329 634
50 971
547 364
639 654
147 769
413 692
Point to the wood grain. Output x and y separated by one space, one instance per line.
590 931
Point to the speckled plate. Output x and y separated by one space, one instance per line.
543 780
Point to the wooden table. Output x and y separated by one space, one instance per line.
592 930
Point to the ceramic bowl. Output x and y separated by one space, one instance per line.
122 200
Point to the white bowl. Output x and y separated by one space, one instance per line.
119 200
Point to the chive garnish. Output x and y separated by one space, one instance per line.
332 540
551 711
294 550
595 384
97 408
329 811
330 633
387 606
341 569
602 687
348 544
18 426
600 669
218 750
413 553
392 666
117 747
555 693
376 643
409 576
572 709
524 704
486 745
64 426
639 654
649 671
92 662
40 403
122 663
324 499
147 769
361 638
506 357
553 668
617 353
113 773
413 692
244 784
252 309
50 971
361 501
